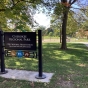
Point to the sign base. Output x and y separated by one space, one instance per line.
4 72
40 77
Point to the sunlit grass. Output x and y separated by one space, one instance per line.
69 65
17 63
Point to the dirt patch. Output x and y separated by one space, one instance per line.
66 84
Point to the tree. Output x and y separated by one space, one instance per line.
57 20
50 34
72 25
62 8
65 9
40 28
56 24
85 23
17 12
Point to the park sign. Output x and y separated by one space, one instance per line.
20 40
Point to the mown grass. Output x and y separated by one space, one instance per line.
57 39
70 67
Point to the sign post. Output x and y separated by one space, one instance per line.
40 75
3 71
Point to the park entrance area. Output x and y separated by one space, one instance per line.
21 44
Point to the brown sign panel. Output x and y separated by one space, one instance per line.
20 40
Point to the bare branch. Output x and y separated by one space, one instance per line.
69 1
63 1
73 1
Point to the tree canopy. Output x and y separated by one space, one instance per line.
20 13
17 12
61 9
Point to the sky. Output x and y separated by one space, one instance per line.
42 19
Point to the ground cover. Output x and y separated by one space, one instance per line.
70 67
57 39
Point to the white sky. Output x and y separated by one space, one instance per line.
42 19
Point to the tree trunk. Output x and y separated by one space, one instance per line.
60 36
64 24
66 5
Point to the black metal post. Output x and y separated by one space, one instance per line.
40 75
2 62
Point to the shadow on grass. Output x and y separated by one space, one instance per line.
68 65
21 63
54 59
71 61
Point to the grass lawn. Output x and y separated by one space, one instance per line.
70 67
57 39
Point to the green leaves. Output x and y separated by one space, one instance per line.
58 9
72 25
17 12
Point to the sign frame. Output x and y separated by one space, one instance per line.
3 71
20 40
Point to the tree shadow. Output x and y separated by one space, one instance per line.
64 60
21 63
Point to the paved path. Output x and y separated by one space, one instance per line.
86 44
26 75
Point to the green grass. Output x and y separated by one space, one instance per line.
57 39
50 37
69 67
78 40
